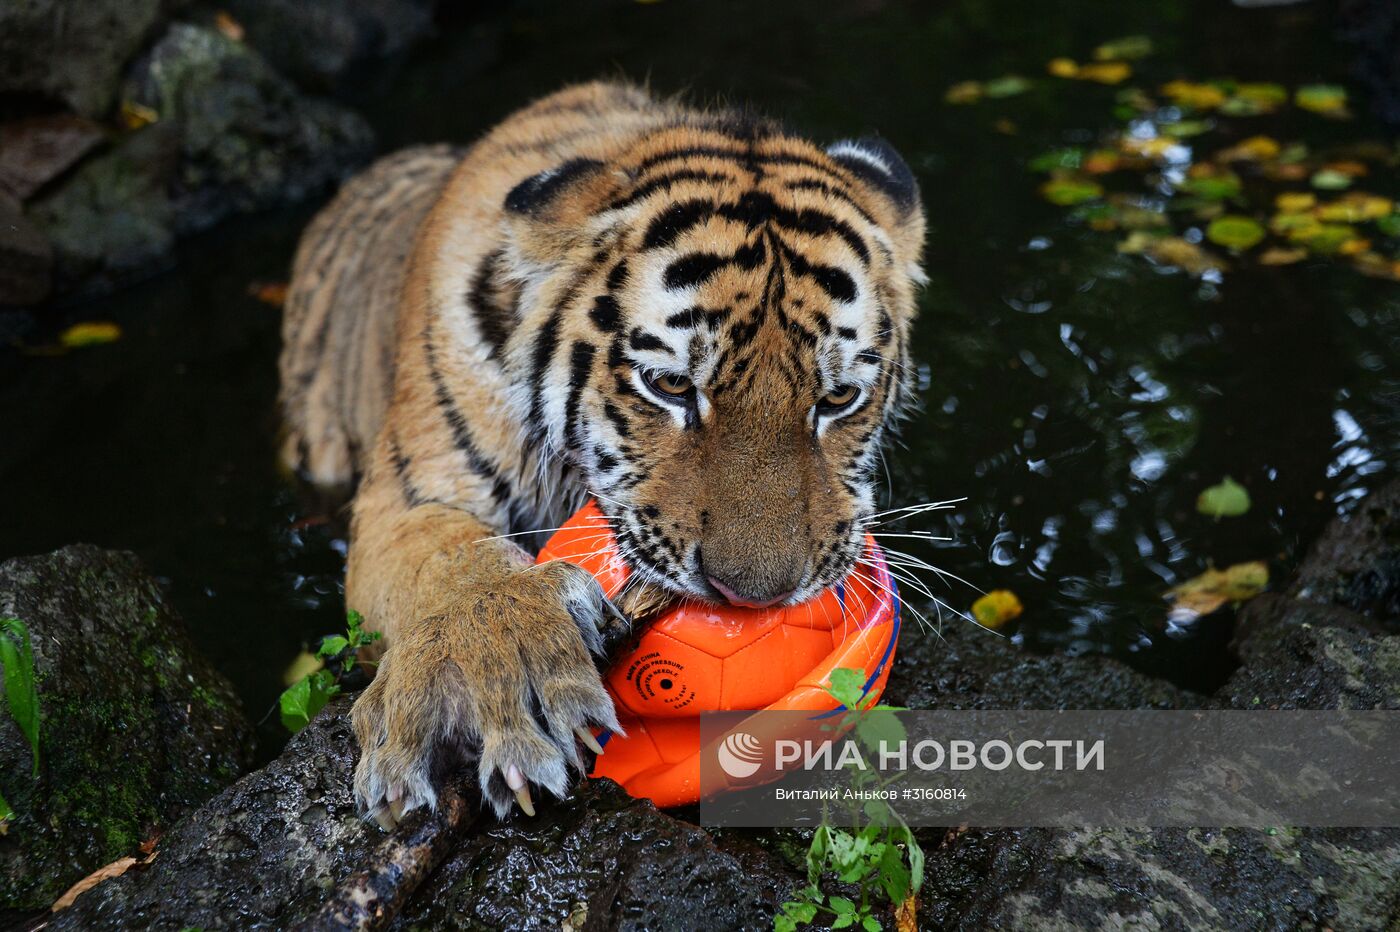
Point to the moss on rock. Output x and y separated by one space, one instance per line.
136 727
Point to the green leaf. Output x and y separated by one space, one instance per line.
1389 225
781 922
1228 500
1213 187
1068 191
874 728
841 904
1326 99
332 646
1058 158
1007 86
843 920
1235 232
846 686
304 698
1124 48
21 694
871 924
1330 180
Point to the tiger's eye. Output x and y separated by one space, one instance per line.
840 396
672 384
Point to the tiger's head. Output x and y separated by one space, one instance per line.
724 341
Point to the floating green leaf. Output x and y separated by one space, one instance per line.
1068 191
1389 225
1216 187
1007 86
21 694
1229 499
1235 232
1058 158
1329 179
1124 48
1327 99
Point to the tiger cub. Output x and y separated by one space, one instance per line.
692 316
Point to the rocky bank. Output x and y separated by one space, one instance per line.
265 852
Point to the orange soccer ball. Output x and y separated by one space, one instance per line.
719 658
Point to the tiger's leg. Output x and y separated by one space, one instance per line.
338 327
487 660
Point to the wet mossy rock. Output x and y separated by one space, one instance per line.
602 860
71 53
136 728
230 135
266 852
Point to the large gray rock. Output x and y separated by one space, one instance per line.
26 258
136 728
316 42
266 852
71 52
231 136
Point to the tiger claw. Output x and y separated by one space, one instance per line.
516 781
586 736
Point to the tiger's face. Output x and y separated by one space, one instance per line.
737 315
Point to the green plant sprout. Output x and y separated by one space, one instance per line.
301 701
881 856
21 694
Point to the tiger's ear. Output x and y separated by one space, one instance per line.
881 168
540 193
548 212
875 162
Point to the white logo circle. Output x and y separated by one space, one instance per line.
740 755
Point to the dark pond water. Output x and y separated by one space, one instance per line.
1079 399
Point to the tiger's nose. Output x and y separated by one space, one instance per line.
747 601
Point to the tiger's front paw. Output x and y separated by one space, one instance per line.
502 680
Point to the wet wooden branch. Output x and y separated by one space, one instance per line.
370 898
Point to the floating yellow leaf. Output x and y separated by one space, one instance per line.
1292 202
1356 207
1062 67
1214 588
1330 100
1125 48
1252 99
1070 190
1105 72
135 116
1354 247
1377 266
996 608
1280 256
1326 238
1157 147
1228 499
1101 162
1171 250
91 333
1253 149
964 92
1235 232
1191 94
